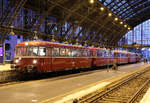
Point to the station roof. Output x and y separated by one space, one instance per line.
103 22
132 12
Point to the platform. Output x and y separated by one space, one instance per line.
5 67
60 90
146 97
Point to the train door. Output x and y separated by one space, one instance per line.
93 54
69 59
45 59
49 54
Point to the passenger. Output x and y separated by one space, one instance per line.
115 67
145 60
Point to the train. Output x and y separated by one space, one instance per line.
44 56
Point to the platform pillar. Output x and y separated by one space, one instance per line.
3 52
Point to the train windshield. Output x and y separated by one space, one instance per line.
31 51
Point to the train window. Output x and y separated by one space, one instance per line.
55 52
29 51
42 51
62 52
35 51
112 54
89 53
84 53
99 53
17 51
68 52
23 51
78 52
48 51
94 53
74 52
20 51
103 53
117 55
121 55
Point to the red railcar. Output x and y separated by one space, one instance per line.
121 56
133 57
42 56
102 57
48 56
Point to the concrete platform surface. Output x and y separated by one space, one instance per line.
54 91
146 98
5 67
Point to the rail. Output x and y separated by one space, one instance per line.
103 96
133 98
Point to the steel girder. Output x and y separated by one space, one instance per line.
10 17
96 23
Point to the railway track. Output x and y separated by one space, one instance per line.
125 91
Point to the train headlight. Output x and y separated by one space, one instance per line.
34 61
17 61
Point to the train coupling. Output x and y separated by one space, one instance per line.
30 68
14 66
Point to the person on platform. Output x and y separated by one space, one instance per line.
145 60
115 67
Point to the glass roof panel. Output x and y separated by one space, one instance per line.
126 9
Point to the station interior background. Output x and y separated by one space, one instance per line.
138 35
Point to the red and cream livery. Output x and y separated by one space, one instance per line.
42 56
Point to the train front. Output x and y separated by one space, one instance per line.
26 57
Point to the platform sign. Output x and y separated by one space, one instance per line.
1 51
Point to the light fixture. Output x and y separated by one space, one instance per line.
109 14
35 35
125 26
121 22
53 39
102 8
143 48
26 43
66 42
77 42
91 1
129 28
85 43
116 19
11 30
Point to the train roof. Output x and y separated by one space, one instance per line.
52 44
48 44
